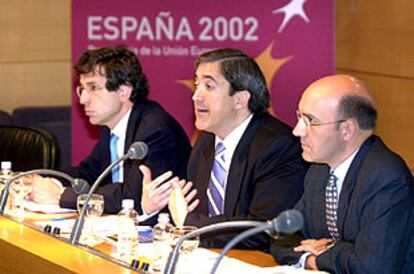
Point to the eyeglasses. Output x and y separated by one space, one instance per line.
90 89
309 122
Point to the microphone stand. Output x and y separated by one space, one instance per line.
6 189
136 151
77 227
289 221
173 258
237 239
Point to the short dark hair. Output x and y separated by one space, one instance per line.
120 67
243 73
358 108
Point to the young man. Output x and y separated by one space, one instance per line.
113 91
358 201
246 164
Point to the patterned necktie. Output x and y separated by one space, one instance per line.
331 199
114 155
215 192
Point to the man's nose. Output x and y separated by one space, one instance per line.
300 129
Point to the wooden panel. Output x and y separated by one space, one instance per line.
395 99
34 30
34 84
376 36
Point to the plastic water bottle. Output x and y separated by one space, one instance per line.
127 245
6 171
5 174
162 235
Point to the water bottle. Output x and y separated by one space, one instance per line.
5 175
6 171
127 245
162 235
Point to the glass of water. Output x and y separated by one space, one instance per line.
94 209
19 189
188 245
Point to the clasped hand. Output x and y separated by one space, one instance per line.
314 246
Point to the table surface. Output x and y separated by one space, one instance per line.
25 237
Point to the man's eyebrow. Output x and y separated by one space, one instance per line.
309 116
205 76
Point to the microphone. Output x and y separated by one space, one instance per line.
6 189
80 186
288 222
136 151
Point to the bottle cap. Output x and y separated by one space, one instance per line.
144 267
6 165
128 203
135 264
163 218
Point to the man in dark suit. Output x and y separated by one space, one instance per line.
113 90
246 164
358 201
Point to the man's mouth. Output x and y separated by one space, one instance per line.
89 112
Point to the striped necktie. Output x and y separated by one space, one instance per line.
216 188
114 155
331 200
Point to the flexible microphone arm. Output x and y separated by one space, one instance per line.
173 258
6 189
235 240
289 221
77 227
137 150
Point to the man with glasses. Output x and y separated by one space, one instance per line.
358 201
113 92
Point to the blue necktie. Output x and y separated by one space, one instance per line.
114 155
331 196
215 192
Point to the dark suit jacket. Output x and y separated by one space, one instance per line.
375 214
168 149
265 177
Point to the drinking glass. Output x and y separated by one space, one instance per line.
93 211
19 189
188 245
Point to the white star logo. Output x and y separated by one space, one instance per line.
294 8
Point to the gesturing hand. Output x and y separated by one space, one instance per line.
155 192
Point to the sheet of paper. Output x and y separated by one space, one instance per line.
46 208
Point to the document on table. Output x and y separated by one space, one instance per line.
46 208
204 260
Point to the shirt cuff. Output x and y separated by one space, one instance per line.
301 264
145 216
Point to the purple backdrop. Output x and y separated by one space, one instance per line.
292 40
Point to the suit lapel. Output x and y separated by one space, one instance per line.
133 123
317 189
238 166
349 183
203 176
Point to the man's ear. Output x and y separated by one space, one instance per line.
124 92
242 99
349 128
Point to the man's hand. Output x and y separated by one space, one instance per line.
314 246
155 192
45 190
311 263
189 195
